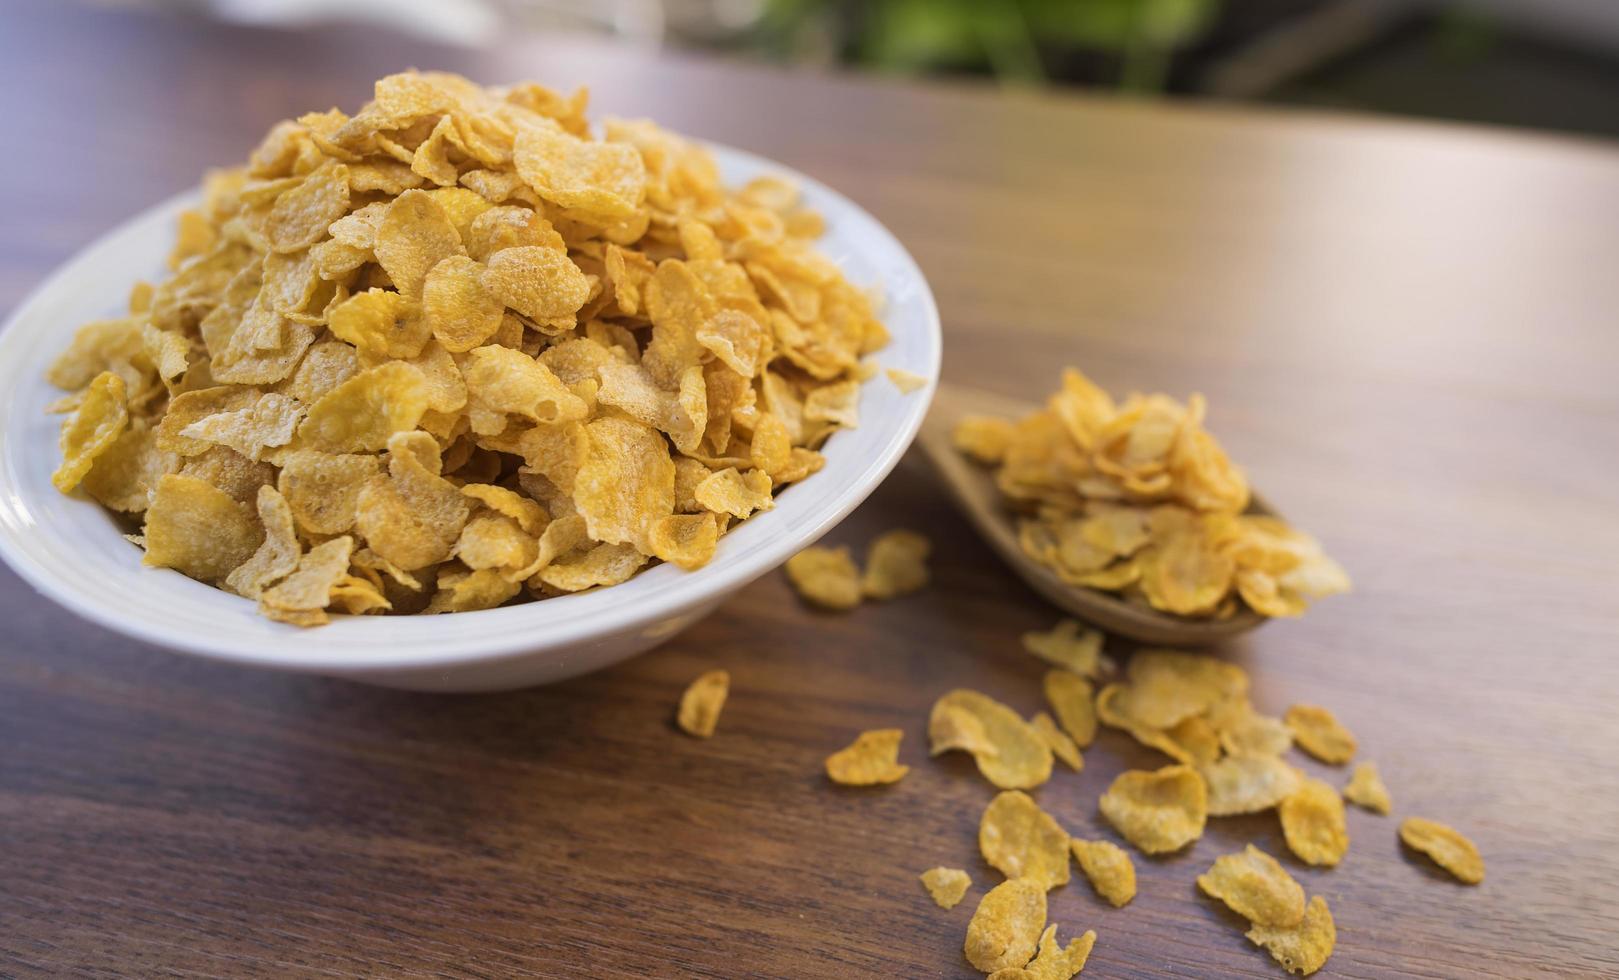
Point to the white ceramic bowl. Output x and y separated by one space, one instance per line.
69 548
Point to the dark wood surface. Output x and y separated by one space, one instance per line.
1407 332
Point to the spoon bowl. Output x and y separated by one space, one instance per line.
973 488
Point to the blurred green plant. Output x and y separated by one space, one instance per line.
1465 35
1011 38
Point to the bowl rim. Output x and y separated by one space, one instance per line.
463 639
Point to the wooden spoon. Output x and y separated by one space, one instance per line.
973 487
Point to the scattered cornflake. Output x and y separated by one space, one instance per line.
1109 713
1175 702
1255 887
1021 840
946 885
1244 731
956 728
826 577
907 382
1318 732
1198 743
1167 686
1313 823
1365 789
1303 948
1158 811
1248 783
1062 746
1068 645
896 565
1448 848
1008 751
701 704
1005 929
1053 961
1109 868
1073 703
872 759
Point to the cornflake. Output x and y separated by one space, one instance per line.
277 556
1109 868
896 565
1366 789
872 760
302 597
1021 840
906 381
1008 751
1062 746
947 886
700 705
1005 929
1448 849
1071 700
1068 645
1137 498
1319 733
984 439
1304 948
1109 713
125 473
100 419
1248 783
1244 731
588 321
1157 811
826 577
198 529
1313 823
1166 687
1255 887
1053 961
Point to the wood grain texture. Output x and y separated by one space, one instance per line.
1406 332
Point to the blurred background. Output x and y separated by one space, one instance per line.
1545 64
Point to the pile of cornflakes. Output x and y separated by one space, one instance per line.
1137 498
456 348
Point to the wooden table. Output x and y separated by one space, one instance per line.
1407 332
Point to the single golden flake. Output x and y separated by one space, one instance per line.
947 886
1157 811
872 760
1255 887
1318 732
1109 868
1304 948
1008 751
1313 823
1449 849
1005 929
1365 789
701 704
1021 840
